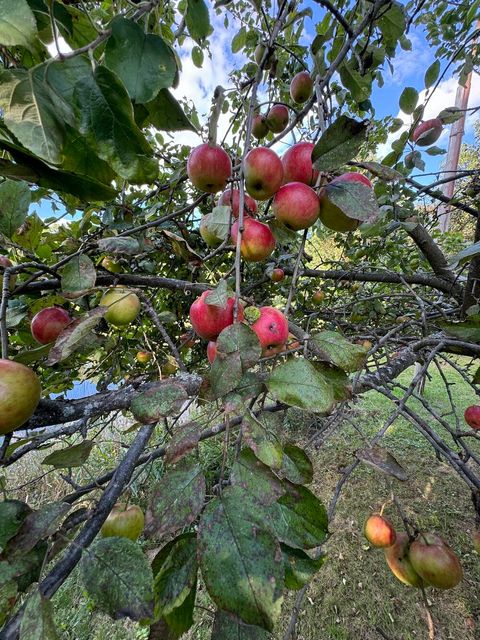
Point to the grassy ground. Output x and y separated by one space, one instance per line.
354 596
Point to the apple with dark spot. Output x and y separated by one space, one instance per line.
271 327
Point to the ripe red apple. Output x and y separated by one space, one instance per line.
379 531
331 215
277 275
209 320
20 392
49 323
209 167
277 118
301 87
123 306
144 356
271 327
476 541
296 205
211 351
5 262
399 562
258 241
231 198
124 522
259 127
318 297
297 164
427 132
472 416
435 562
263 171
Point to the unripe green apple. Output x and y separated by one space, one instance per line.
124 522
435 562
123 306
318 297
210 238
20 392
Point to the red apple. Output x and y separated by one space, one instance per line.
258 241
297 164
209 320
379 531
123 306
263 171
301 87
259 127
399 562
472 416
231 198
144 356
476 541
277 275
271 327
427 132
20 392
435 562
331 215
211 351
277 118
296 205
124 522
209 167
5 262
49 323
318 297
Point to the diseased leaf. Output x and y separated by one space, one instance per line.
120 245
468 330
264 443
354 199
296 465
17 24
37 620
339 351
28 566
252 475
73 456
37 526
75 336
12 515
118 578
143 61
14 203
179 620
383 172
177 501
218 297
240 560
185 439
299 567
298 383
451 115
382 460
78 277
228 627
339 144
162 400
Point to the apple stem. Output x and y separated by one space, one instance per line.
218 99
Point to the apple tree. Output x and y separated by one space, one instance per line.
182 272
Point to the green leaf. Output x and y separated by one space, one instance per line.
467 330
225 627
176 502
14 202
298 518
382 460
17 24
339 144
264 443
197 56
8 596
197 20
37 526
340 351
75 336
30 233
161 400
465 255
37 620
392 23
432 73
16 312
28 566
296 465
298 383
166 114
359 85
78 277
408 100
73 456
299 567
451 115
239 40
143 61
255 477
241 562
118 578
12 515
105 116
218 297
175 573
354 199
124 245
435 151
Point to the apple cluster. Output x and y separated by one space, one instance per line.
426 560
